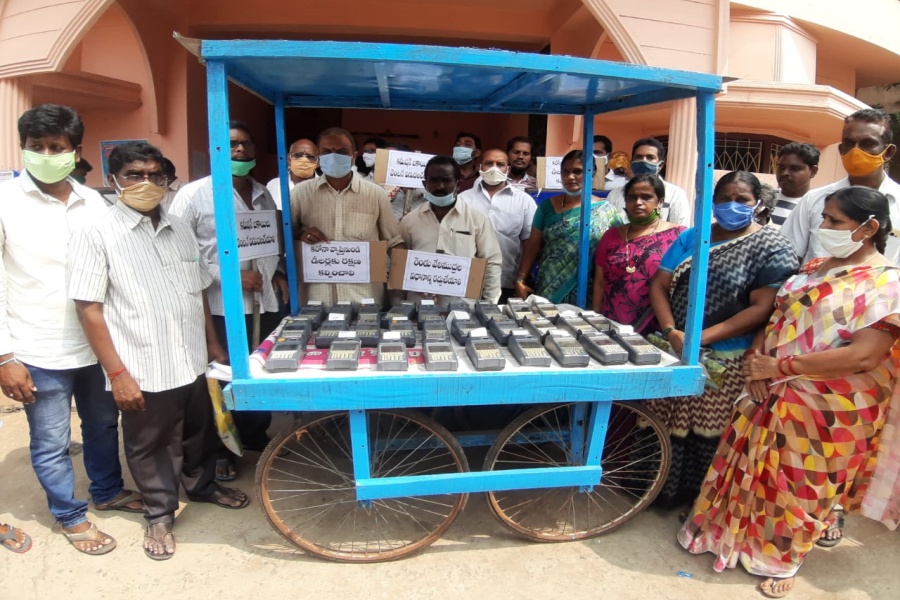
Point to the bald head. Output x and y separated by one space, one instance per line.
305 146
303 158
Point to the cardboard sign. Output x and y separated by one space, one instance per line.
442 274
342 262
257 234
550 167
403 169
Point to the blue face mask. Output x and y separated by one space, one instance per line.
335 165
442 201
643 167
573 193
462 155
732 216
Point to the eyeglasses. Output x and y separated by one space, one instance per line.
299 155
136 178
247 144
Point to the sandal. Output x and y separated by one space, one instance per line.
91 535
160 533
836 529
225 470
122 501
784 585
12 534
222 493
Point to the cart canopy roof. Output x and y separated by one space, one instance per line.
414 77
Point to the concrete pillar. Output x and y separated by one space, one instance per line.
15 98
681 159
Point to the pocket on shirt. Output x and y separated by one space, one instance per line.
361 225
187 277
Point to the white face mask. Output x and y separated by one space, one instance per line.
369 159
839 242
493 176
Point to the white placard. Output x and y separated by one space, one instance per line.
257 234
406 169
553 167
442 274
336 262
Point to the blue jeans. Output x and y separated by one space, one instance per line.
49 422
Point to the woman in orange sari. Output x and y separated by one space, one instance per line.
819 379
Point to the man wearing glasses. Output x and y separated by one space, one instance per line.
303 159
342 206
45 358
262 282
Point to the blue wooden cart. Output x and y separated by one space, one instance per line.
367 474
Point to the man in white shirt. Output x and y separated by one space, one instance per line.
647 157
137 281
866 145
448 226
510 210
303 159
262 282
797 164
45 358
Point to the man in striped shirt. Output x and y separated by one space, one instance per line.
797 164
137 280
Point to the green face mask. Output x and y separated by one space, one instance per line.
239 168
654 215
49 168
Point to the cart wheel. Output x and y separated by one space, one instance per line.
307 489
635 465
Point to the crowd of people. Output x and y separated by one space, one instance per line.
121 308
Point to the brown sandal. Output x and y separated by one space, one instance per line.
153 532
91 535
122 501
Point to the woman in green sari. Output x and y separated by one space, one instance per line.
555 235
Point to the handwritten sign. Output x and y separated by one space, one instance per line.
442 274
336 262
406 169
553 166
257 234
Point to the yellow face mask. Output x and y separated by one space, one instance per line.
859 163
303 168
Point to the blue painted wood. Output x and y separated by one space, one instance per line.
226 227
596 438
478 481
359 441
577 425
300 101
286 225
515 87
584 248
321 391
384 90
703 223
361 52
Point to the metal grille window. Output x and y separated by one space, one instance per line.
743 151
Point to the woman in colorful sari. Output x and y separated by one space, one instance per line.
555 236
819 380
628 256
747 265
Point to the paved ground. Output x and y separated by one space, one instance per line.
234 554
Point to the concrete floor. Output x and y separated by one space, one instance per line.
235 554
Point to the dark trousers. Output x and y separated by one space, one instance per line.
172 440
506 294
251 424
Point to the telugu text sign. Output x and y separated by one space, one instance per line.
442 274
406 169
336 262
257 234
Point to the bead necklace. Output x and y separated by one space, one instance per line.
629 266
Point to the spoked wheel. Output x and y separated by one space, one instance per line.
635 464
307 490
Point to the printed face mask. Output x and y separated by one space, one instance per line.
49 168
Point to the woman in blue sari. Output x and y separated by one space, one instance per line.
556 234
